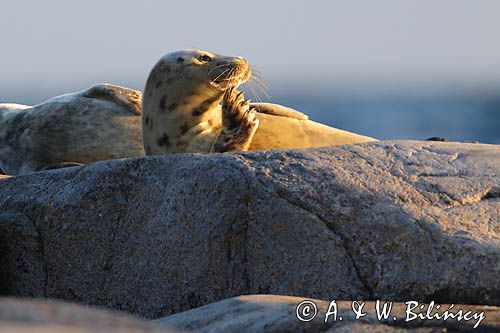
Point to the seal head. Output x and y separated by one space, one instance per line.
180 103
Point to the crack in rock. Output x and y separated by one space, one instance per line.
43 256
244 231
344 243
492 193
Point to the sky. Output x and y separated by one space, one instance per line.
60 46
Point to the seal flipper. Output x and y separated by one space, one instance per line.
128 98
239 123
278 110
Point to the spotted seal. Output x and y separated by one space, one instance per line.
191 104
99 123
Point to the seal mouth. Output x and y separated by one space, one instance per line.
228 74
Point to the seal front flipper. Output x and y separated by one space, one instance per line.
128 98
278 110
239 123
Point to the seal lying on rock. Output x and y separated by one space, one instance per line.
181 114
100 123
181 111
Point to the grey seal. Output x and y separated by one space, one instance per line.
182 111
190 104
99 123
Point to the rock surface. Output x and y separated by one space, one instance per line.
160 235
43 316
277 314
251 313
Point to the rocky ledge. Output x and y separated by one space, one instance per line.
159 235
249 314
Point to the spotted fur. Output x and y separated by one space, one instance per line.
100 123
164 140
185 107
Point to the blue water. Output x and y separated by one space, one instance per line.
467 117
455 118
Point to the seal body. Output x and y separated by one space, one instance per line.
190 105
100 123
278 132
182 112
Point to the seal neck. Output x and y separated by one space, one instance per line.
173 117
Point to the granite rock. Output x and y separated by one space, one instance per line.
159 235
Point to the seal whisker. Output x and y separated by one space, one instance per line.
259 79
263 91
231 76
252 84
266 96
218 76
259 82
221 74
253 81
219 67
255 95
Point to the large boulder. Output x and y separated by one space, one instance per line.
277 314
160 235
251 313
47 316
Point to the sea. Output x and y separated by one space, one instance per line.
465 117
456 118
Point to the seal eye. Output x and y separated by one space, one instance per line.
205 58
